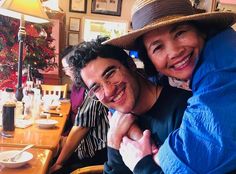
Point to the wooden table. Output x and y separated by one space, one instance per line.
38 165
41 138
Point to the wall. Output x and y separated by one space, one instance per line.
228 5
125 17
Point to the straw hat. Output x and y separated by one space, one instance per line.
152 14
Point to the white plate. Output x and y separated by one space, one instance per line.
24 158
46 123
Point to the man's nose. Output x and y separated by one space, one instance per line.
109 89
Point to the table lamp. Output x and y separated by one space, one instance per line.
25 10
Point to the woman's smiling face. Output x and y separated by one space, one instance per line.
174 49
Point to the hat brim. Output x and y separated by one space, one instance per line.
220 20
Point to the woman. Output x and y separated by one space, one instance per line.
199 48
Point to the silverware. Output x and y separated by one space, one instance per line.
53 113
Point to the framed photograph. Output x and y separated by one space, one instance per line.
107 7
93 28
74 24
73 38
79 6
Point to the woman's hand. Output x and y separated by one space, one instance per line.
133 151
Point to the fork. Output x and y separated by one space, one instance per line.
17 155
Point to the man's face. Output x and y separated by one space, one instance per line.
174 49
113 84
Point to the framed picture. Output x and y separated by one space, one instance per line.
93 28
107 7
79 6
73 38
74 24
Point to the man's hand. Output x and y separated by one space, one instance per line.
119 126
133 151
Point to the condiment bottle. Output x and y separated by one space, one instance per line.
8 113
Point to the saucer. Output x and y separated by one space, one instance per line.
46 123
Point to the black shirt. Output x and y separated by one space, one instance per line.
164 117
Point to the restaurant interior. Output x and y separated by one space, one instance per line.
30 51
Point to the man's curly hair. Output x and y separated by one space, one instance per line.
85 52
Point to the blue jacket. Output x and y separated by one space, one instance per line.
206 139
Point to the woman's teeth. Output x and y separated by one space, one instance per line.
181 64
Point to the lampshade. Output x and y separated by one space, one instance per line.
31 9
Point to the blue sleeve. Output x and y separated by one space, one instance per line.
206 139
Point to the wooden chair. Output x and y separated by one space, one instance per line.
59 90
95 169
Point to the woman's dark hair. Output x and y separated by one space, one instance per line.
85 52
149 68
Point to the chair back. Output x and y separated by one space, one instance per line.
95 169
59 90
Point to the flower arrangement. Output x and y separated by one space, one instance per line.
38 50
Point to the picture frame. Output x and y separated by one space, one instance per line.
107 7
78 6
74 24
73 38
94 27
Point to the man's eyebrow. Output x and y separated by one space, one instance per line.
103 74
108 69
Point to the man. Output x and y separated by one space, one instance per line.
86 142
111 78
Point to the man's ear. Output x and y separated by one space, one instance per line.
131 64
